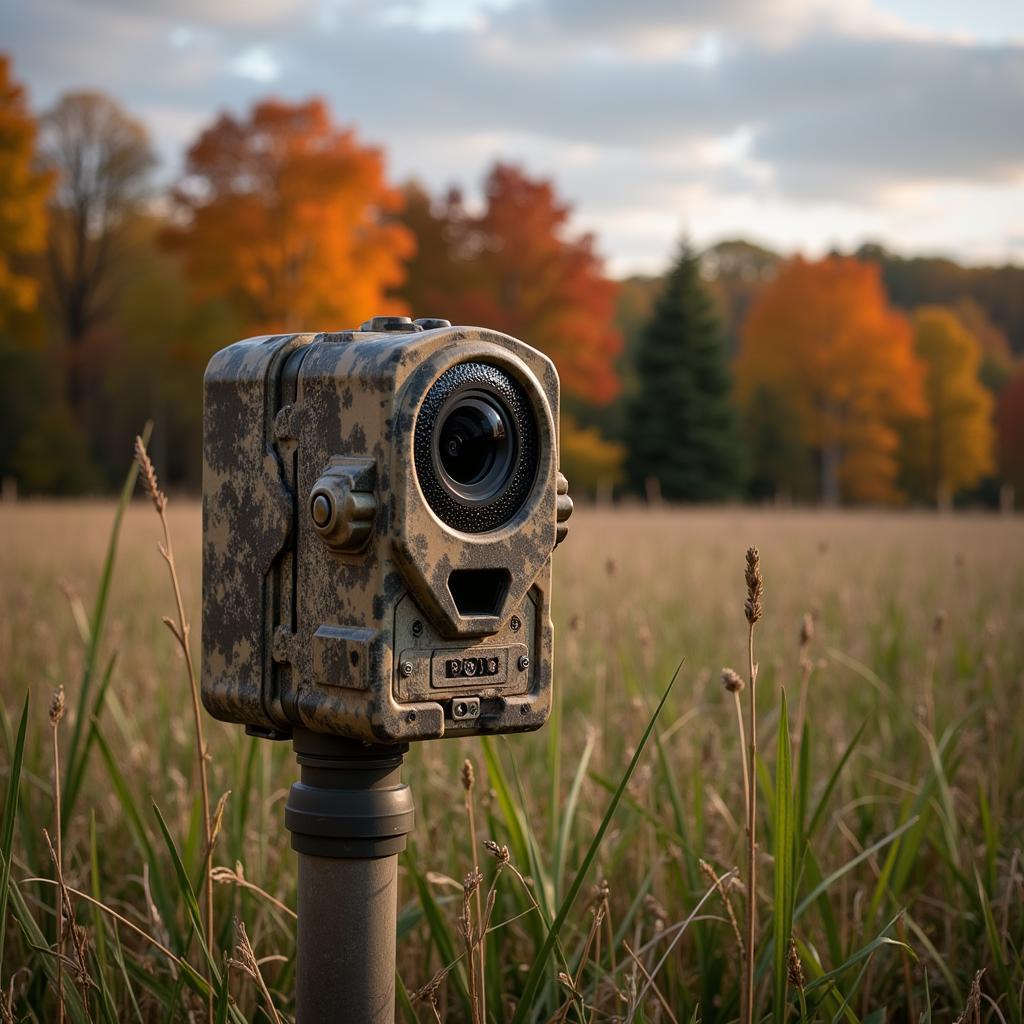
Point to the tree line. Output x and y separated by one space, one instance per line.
739 373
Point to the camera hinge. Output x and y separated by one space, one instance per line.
288 422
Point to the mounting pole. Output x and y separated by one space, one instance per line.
348 815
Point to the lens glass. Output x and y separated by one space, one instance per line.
475 446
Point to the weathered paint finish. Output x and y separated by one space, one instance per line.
298 633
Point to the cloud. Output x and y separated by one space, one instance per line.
640 111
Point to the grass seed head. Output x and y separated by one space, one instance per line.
471 882
57 706
755 586
794 968
731 680
148 474
499 853
467 775
806 630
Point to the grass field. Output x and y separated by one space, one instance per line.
894 857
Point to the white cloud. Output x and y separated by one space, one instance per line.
257 63
652 116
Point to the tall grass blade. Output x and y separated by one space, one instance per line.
75 758
830 786
539 965
7 825
784 831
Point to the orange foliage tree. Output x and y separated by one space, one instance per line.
291 220
23 192
951 446
822 341
1010 423
516 268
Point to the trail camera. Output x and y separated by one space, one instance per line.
379 511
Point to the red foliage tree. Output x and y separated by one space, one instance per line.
515 267
1010 426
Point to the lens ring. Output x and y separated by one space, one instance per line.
475 447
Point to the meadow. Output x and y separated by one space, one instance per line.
890 807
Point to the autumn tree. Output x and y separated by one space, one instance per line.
517 267
290 218
102 159
996 367
591 461
822 340
440 274
23 193
681 426
950 447
1010 426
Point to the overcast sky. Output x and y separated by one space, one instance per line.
798 123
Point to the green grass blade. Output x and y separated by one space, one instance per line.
784 848
187 892
880 941
828 882
404 1002
74 780
568 812
99 929
140 835
995 944
7 826
823 800
533 979
83 716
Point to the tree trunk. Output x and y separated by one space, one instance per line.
831 456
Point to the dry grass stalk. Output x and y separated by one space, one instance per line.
79 963
245 961
57 707
908 980
468 777
599 907
733 683
806 668
120 918
181 630
638 963
227 876
753 610
712 875
972 1008
470 888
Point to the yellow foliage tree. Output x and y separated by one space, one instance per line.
23 193
588 460
823 343
951 447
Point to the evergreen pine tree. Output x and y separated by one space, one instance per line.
682 426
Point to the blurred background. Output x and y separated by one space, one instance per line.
777 251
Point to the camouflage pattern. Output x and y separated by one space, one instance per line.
348 626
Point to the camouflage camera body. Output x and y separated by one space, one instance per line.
352 585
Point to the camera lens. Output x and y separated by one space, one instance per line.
476 447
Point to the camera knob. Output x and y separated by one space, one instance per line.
563 508
342 507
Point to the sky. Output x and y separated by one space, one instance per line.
800 124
